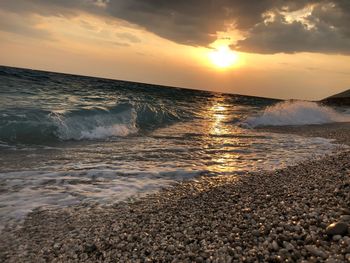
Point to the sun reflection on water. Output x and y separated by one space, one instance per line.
221 136
218 113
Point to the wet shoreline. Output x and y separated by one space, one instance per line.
272 216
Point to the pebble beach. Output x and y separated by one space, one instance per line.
297 214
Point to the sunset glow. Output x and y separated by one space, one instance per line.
223 57
281 47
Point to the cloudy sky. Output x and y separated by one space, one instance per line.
274 48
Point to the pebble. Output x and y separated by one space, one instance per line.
90 248
345 218
345 211
316 251
337 228
171 248
336 237
288 246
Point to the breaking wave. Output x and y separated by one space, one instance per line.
31 126
296 113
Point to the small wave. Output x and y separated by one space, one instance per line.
296 113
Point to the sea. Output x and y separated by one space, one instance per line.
70 140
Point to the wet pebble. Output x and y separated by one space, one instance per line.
337 228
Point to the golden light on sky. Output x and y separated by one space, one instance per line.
273 57
223 57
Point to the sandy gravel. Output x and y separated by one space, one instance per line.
298 214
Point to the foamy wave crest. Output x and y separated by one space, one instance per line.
119 130
32 126
296 113
97 125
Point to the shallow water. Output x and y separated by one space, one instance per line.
69 139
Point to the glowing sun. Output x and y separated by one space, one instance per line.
223 57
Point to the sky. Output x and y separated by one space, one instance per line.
272 48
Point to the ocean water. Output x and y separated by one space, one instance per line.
68 139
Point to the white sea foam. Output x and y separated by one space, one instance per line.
119 130
24 191
4 145
296 113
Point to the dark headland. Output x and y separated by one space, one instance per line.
340 99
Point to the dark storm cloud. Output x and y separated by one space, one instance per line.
280 36
195 22
325 30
